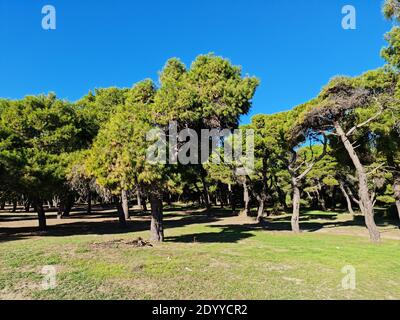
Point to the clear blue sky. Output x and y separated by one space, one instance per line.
293 46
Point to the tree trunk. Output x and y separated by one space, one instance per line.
144 204
125 205
333 202
396 188
348 200
366 204
121 215
282 199
61 208
321 200
203 174
14 205
231 198
89 203
2 205
260 211
138 196
296 207
398 207
156 228
38 204
246 198
69 203
55 202
201 194
169 199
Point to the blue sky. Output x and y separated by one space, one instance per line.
293 46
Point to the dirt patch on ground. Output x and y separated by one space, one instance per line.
117 243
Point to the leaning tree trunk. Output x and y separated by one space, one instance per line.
366 203
38 204
156 228
296 207
348 200
125 205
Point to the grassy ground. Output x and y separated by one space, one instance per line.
225 257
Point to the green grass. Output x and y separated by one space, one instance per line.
202 261
319 213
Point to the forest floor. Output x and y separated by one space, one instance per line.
223 257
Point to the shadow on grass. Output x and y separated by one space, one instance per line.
173 219
229 234
307 223
88 227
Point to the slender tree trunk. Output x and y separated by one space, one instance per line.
333 203
14 205
27 205
366 204
321 201
231 198
246 198
282 199
38 204
201 194
2 205
89 203
396 188
144 204
61 208
398 207
125 205
207 201
138 196
156 228
348 200
296 207
169 200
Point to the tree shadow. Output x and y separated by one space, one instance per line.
88 227
312 225
229 234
